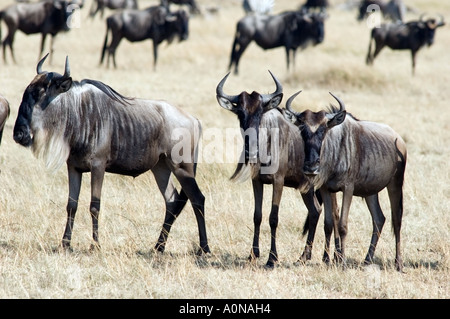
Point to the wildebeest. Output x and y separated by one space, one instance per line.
94 129
111 4
155 23
358 158
4 113
315 4
273 154
393 10
46 17
290 30
409 36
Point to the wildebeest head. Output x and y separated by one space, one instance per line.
428 27
311 27
313 129
44 88
249 109
180 22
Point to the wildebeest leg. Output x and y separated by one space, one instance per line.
112 48
174 202
185 175
343 221
413 57
273 221
396 199
258 189
155 54
9 42
237 51
314 209
97 175
72 204
330 223
378 48
378 221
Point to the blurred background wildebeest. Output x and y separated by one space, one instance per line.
291 30
156 23
409 36
111 4
393 10
45 17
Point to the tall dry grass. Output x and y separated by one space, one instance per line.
33 200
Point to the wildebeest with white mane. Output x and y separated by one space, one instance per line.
94 129
290 29
155 23
4 113
273 154
358 158
45 17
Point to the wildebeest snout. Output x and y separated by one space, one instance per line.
22 135
311 168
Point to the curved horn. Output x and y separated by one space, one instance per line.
39 66
278 90
67 68
441 22
289 101
341 104
421 17
220 93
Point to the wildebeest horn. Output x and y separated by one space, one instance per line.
341 104
289 101
278 90
67 68
39 66
220 93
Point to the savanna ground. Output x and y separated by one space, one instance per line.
33 200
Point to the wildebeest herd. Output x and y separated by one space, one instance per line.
318 153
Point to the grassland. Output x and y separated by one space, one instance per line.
33 200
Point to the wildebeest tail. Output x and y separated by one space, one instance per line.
398 180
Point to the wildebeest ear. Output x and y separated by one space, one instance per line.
336 119
225 103
273 102
64 84
288 115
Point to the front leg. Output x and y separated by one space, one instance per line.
258 191
273 221
97 175
72 204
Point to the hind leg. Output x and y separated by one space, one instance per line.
396 199
184 172
174 202
378 220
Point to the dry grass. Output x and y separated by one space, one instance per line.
32 200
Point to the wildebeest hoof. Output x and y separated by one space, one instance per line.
94 247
